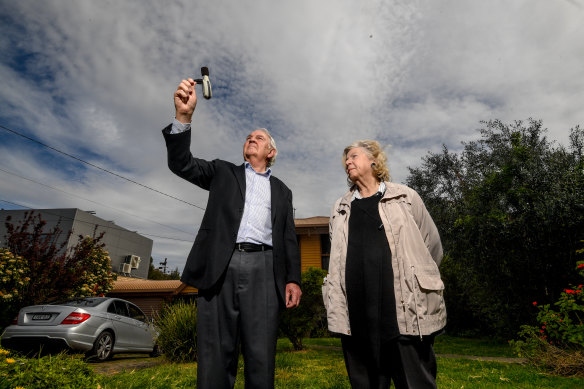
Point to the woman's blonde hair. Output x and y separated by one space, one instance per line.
374 151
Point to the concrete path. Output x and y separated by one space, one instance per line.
476 358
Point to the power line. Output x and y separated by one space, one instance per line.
91 201
94 224
98 167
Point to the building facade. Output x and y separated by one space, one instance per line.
314 242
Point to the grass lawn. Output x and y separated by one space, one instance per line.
444 344
484 347
321 365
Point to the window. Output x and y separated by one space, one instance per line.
136 313
118 307
82 302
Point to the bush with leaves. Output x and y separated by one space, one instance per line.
557 342
298 323
92 262
14 281
177 326
50 372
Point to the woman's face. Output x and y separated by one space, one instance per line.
358 164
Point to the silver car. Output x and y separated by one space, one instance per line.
97 326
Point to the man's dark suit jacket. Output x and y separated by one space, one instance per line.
215 240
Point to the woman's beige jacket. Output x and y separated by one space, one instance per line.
416 252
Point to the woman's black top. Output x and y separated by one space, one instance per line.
369 276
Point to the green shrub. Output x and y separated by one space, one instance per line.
177 325
310 316
557 343
13 283
58 371
92 263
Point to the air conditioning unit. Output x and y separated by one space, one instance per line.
127 268
135 261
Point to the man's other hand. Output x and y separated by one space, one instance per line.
293 294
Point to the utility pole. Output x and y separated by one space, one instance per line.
163 267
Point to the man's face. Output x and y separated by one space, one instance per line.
257 145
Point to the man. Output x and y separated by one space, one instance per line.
245 259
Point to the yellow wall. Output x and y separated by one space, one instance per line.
310 253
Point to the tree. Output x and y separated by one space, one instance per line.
155 274
51 272
510 210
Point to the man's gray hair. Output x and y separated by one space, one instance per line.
272 160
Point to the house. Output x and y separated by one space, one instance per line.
129 251
313 239
151 295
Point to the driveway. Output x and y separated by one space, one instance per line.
125 363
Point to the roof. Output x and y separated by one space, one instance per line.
315 221
137 285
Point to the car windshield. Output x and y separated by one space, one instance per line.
82 302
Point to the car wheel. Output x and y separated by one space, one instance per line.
155 351
102 347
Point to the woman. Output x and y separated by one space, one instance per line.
383 292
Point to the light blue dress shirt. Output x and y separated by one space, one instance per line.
256 222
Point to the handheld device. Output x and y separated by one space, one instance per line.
205 83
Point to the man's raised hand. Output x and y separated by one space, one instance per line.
185 100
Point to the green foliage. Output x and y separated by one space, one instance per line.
310 315
177 325
13 282
46 259
50 372
46 272
155 274
565 326
557 342
510 210
13 277
93 264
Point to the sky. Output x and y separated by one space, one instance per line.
95 80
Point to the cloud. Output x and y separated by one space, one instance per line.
96 79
